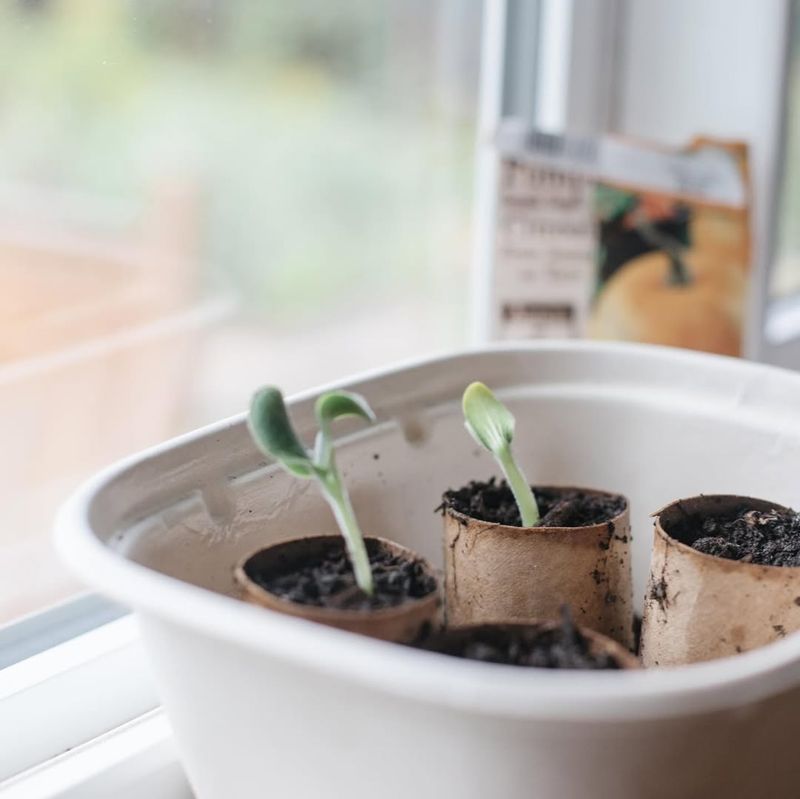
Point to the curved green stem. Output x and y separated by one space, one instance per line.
520 488
336 494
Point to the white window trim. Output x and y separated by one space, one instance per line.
490 111
564 79
135 760
44 629
774 334
72 693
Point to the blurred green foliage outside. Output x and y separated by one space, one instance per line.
330 144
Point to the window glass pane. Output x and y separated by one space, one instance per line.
197 197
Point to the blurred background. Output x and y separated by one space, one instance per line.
197 197
200 196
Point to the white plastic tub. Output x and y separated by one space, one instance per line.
266 705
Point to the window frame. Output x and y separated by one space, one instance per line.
37 632
565 78
776 320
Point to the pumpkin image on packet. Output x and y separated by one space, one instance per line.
670 271
615 239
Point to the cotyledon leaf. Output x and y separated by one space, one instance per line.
272 431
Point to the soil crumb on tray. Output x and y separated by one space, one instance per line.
562 647
767 538
331 583
492 501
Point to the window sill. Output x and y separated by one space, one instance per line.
71 694
135 760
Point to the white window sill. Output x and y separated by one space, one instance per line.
70 696
135 760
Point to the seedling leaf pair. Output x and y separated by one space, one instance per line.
491 424
275 436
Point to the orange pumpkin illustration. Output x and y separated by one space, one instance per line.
682 295
697 305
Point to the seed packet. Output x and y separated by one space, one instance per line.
610 239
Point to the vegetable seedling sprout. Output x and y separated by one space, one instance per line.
491 424
275 436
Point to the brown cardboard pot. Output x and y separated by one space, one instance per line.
496 573
700 607
402 623
598 644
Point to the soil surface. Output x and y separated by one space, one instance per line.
637 634
519 645
768 538
491 501
330 582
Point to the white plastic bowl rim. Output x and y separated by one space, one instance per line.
418 675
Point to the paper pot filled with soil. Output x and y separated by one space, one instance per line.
371 586
579 555
312 578
724 579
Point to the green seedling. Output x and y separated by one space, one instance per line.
274 435
491 424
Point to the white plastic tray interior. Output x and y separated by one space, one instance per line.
652 423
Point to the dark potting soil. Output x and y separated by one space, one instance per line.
637 633
768 538
492 501
330 582
563 647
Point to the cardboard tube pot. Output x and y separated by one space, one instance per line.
700 607
496 573
401 623
453 639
